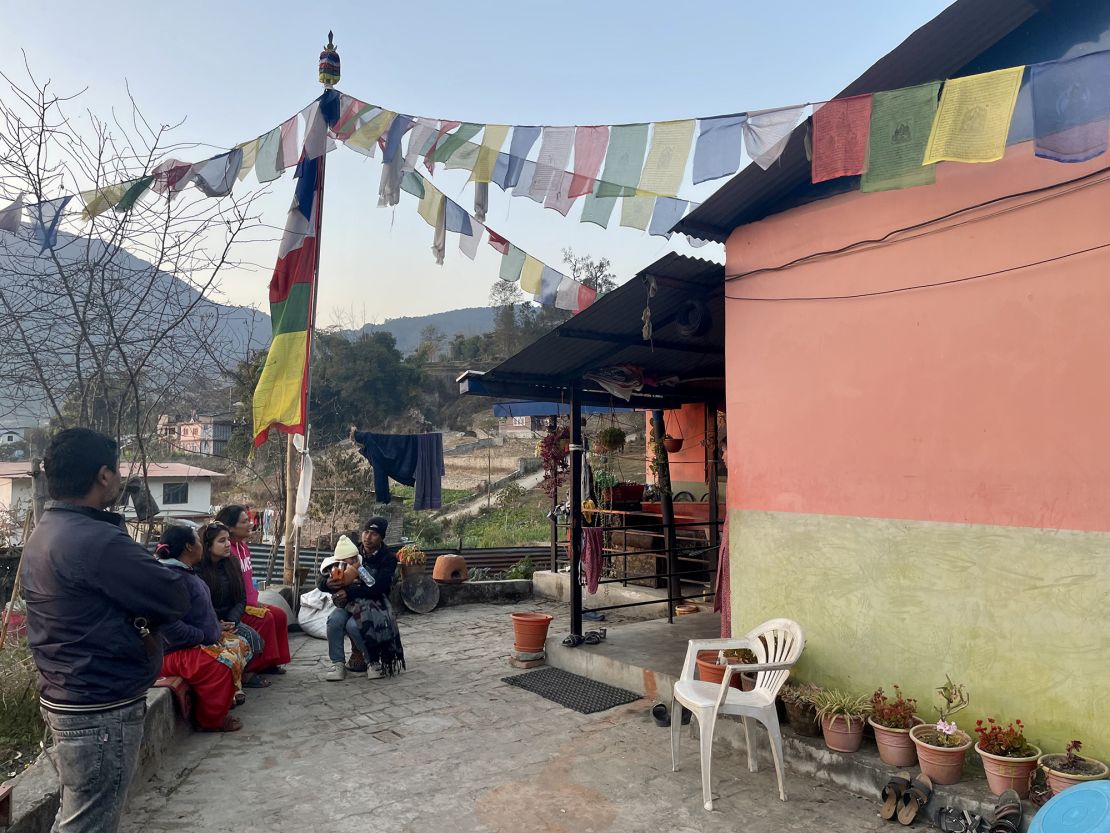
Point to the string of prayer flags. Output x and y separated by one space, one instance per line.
11 216
840 135
900 125
973 118
1071 108
46 215
766 133
719 147
492 139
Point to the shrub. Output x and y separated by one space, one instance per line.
21 726
522 569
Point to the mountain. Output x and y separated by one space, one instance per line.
469 321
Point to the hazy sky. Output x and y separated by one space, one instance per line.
234 70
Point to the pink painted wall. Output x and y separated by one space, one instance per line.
984 402
688 463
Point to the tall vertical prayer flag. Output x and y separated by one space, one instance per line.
840 131
492 140
281 394
589 150
766 133
973 118
1071 107
900 125
719 147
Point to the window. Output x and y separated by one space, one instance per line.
520 422
175 493
10 438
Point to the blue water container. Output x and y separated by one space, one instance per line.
1084 808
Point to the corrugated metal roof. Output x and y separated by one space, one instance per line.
609 332
22 470
937 50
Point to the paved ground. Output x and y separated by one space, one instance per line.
448 747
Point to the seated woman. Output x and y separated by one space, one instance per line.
196 648
221 573
270 621
343 567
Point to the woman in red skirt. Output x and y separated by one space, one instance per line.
270 621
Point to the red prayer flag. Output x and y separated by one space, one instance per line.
498 242
841 129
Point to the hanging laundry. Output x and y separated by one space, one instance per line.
524 136
549 286
1071 107
553 158
468 243
250 153
481 199
531 276
589 149
216 176
266 167
840 134
492 140
11 217
593 546
666 160
457 219
290 147
900 125
99 200
668 211
973 118
449 146
719 147
410 459
636 211
365 138
137 188
442 130
624 163
499 243
766 133
439 239
46 216
512 263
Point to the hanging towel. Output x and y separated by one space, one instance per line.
719 147
410 459
973 119
1071 107
429 471
722 594
592 546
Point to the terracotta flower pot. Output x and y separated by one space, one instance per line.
895 746
710 672
1005 773
410 570
672 444
802 718
943 764
1059 781
842 734
530 631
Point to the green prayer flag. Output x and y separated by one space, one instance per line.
137 189
456 140
511 264
413 183
624 161
900 124
597 210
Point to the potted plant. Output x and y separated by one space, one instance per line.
1008 758
1070 768
412 560
842 718
801 714
942 746
611 438
672 444
604 481
711 666
892 721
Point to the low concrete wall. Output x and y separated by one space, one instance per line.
557 586
37 792
508 591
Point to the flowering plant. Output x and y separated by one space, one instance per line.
554 448
1008 743
898 713
412 555
944 732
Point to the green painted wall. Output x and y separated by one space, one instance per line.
1019 615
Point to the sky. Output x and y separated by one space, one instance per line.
234 70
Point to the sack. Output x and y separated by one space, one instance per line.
316 606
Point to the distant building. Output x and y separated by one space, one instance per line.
198 433
10 436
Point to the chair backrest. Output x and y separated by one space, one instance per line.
776 641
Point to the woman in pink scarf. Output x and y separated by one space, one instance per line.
270 621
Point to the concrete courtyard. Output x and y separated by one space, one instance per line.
448 747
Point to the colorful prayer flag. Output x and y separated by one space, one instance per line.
420 140
498 243
624 161
280 396
290 148
458 220
666 161
365 138
216 176
719 147
430 206
99 200
586 296
468 243
840 133
445 125
250 153
668 211
413 183
266 166
492 140
524 136
973 118
531 276
317 142
400 125
512 261
549 286
136 189
636 211
449 146
900 125
553 158
1071 107
766 133
566 296
589 149
46 215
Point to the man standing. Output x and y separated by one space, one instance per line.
93 598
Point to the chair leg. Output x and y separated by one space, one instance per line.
775 736
707 759
752 765
676 727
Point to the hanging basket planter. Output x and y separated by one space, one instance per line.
672 444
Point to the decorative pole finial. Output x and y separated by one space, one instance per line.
329 64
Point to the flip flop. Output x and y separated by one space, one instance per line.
955 820
891 794
1007 814
915 797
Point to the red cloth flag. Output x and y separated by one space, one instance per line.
841 129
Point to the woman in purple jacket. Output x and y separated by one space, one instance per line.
197 648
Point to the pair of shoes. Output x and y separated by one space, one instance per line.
903 798
955 820
337 672
375 671
594 637
573 640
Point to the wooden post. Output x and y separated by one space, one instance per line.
575 492
289 563
666 505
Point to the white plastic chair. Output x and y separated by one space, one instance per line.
777 644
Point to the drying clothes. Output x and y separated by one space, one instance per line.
592 545
410 459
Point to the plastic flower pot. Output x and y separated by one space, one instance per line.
842 734
530 631
1059 781
895 746
1004 773
943 764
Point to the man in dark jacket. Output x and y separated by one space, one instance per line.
93 597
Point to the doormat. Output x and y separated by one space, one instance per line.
574 691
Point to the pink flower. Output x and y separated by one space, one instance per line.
946 728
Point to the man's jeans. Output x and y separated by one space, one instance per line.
95 755
340 622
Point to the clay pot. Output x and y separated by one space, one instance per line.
1060 781
710 672
529 631
1005 773
802 718
895 746
672 444
943 764
450 569
410 570
842 734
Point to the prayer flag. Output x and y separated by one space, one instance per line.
766 133
719 147
46 215
468 243
250 152
355 114
420 140
429 158
216 176
524 181
99 200
499 243
330 103
554 155
511 263
458 220
636 211
1021 122
549 286
397 129
492 140
365 138
531 276
465 158
1071 107
519 147
171 175
290 149
900 125
598 210
566 296
668 211
624 162
11 217
557 196
266 167
449 146
137 188
586 296
413 183
666 161
429 207
317 142
840 129
280 396
974 117
589 150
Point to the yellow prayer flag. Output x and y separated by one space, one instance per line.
277 397
431 205
99 200
250 153
365 137
973 118
666 160
636 211
492 140
530 275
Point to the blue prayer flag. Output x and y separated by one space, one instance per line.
458 220
1071 107
717 152
399 126
549 286
519 146
329 106
47 216
668 211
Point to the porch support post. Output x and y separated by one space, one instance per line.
666 505
575 492
712 456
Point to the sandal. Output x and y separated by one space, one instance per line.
891 794
955 820
230 724
256 682
573 640
915 797
239 699
594 637
1007 814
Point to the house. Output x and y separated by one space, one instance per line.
921 476
197 433
11 435
528 420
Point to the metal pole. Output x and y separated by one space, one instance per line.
666 506
575 513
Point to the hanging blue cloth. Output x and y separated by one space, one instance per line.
1071 107
410 459
519 146
399 126
329 106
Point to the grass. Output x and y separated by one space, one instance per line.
515 523
449 495
21 726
